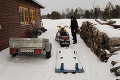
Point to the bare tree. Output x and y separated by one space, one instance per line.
109 6
63 15
108 9
80 12
97 12
67 11
93 5
71 12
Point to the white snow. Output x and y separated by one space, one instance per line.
105 21
115 57
37 67
117 21
110 31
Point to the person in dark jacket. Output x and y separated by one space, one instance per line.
74 26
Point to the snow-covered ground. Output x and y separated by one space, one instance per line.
37 67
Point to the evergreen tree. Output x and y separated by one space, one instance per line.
106 14
114 13
55 15
76 13
96 12
48 16
117 8
80 13
71 13
87 14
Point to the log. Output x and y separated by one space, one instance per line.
114 48
114 62
117 79
110 22
116 70
105 22
95 32
113 41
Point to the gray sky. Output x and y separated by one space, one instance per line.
59 5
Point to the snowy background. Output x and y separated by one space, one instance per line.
37 67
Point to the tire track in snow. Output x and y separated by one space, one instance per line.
46 73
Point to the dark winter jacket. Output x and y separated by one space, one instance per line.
74 25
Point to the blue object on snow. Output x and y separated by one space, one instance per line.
62 66
61 70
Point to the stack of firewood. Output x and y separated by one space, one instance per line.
98 41
107 22
115 69
113 44
115 61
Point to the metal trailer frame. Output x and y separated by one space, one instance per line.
30 45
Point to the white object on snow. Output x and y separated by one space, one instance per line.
69 58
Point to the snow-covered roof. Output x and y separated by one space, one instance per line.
37 3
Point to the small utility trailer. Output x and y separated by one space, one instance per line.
30 45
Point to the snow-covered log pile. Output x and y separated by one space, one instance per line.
111 37
100 38
115 61
110 22
105 22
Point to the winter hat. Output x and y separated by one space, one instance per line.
71 17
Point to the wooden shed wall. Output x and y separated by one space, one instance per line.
10 22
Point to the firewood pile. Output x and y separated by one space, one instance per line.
115 61
105 22
99 41
108 22
116 68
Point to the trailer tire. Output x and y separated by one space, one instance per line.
55 38
48 47
13 55
48 54
61 45
68 45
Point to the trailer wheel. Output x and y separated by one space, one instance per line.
68 45
61 45
48 54
55 39
117 74
13 55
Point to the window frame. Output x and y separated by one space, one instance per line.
32 15
27 16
